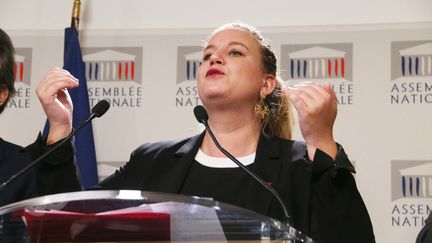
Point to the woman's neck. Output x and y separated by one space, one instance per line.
238 133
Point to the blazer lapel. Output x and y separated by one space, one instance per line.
267 166
184 157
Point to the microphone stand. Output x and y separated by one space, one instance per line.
291 235
97 111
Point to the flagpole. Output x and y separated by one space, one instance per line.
75 14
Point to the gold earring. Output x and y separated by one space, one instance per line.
261 108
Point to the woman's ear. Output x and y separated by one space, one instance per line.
269 84
4 94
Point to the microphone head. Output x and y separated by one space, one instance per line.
200 113
100 108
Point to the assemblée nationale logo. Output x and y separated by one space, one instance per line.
22 77
321 63
115 74
411 192
411 72
188 60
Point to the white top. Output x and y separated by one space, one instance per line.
222 162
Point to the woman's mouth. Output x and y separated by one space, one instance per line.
214 72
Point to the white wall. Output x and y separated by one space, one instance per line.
139 14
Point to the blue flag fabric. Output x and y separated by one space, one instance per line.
84 142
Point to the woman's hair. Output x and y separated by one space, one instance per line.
278 122
7 62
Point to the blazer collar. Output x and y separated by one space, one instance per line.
185 156
191 146
266 144
267 165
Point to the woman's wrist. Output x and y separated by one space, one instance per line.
57 133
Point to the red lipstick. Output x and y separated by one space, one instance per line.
212 72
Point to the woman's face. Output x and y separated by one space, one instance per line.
4 94
231 69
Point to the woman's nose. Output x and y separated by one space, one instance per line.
215 58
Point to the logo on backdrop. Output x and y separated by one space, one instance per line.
188 61
411 192
22 74
114 73
332 63
411 72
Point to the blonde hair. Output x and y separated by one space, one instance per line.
279 121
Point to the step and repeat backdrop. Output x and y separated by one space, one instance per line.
381 74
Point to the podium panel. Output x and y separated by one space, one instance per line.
136 216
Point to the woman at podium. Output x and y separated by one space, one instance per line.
250 114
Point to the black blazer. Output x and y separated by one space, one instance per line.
425 234
320 195
56 173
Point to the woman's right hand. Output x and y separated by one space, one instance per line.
56 102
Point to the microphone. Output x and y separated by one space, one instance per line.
97 111
202 117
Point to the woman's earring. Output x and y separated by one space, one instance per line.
261 108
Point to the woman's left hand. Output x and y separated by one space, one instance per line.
316 106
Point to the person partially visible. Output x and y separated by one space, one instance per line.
55 173
425 234
250 115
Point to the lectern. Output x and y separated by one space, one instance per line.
137 216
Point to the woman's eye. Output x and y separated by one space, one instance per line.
206 56
235 53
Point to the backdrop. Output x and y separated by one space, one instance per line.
382 75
